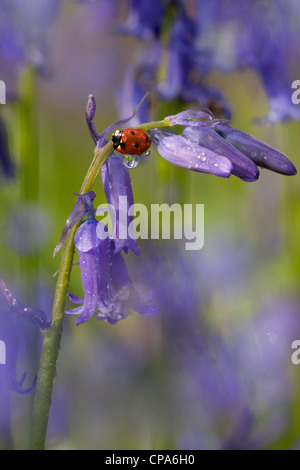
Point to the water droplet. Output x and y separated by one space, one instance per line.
131 161
147 153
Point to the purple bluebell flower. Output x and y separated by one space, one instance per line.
214 147
94 258
180 151
187 67
145 19
33 26
118 191
11 49
9 337
108 293
15 318
231 34
23 27
30 314
260 153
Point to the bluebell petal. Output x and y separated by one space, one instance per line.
181 152
94 259
117 184
260 153
190 117
90 112
32 315
83 205
242 166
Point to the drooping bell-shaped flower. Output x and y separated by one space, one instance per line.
212 146
30 314
12 314
94 259
259 152
108 291
118 191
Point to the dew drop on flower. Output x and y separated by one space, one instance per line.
131 161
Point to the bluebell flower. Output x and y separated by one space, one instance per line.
259 152
216 148
11 49
171 66
144 19
23 26
30 314
12 330
33 26
232 33
108 291
117 186
187 68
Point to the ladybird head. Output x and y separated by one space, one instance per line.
116 138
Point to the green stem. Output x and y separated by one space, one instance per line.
52 337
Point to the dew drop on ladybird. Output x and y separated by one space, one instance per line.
131 161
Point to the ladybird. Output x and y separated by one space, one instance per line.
131 141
